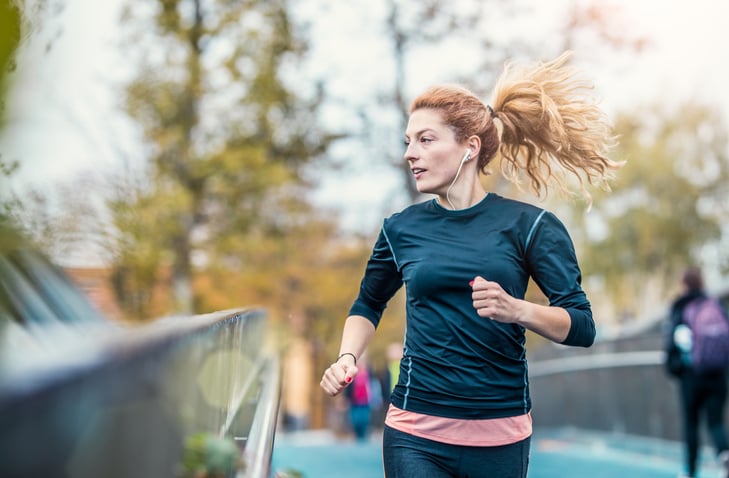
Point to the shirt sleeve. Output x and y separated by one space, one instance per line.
381 281
552 264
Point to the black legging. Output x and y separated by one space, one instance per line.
706 393
406 456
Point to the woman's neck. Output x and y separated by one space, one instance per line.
462 200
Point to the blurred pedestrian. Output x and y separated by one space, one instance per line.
461 406
697 354
363 396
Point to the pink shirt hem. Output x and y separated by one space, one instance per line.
481 432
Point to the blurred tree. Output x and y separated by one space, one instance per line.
227 137
9 41
668 206
21 20
138 271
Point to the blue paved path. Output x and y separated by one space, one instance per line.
555 454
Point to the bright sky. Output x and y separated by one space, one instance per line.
62 117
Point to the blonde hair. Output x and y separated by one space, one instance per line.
550 125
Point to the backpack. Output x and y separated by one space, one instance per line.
710 330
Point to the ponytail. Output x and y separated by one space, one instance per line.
551 125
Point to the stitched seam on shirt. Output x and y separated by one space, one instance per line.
389 244
526 377
410 360
407 385
531 231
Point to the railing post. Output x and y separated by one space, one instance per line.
259 446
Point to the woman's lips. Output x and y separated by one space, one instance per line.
417 172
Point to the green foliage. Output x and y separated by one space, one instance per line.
9 41
138 253
210 456
227 140
288 473
667 205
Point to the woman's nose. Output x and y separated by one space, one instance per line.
409 154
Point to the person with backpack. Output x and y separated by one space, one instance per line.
697 355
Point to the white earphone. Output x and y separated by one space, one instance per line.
466 157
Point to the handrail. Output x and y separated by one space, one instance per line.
253 378
80 353
259 444
122 401
612 388
596 361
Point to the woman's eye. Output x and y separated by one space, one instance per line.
426 140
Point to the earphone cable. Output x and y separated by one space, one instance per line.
448 192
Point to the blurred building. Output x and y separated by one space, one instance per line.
96 285
298 384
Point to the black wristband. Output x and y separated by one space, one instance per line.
348 353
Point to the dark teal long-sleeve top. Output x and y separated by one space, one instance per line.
456 364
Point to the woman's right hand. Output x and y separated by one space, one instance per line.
338 376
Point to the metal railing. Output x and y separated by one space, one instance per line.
259 449
621 391
618 385
179 395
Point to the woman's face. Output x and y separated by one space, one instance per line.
432 151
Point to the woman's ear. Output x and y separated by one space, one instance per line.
474 144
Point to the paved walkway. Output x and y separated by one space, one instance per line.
555 454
